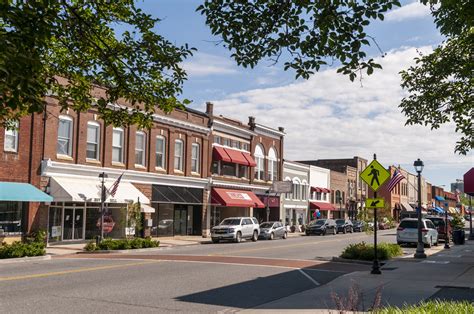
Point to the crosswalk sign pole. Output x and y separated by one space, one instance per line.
376 264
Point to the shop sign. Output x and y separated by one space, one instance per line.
109 223
55 231
239 196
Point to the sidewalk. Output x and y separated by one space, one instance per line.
165 242
447 274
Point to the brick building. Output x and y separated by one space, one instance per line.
245 159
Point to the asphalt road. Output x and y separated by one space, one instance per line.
198 278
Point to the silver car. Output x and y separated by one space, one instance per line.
271 230
236 229
407 232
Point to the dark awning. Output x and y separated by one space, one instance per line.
235 198
22 192
321 206
439 198
176 195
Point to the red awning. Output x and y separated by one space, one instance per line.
236 198
326 190
250 159
315 189
321 206
219 153
236 156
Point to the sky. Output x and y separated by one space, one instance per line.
326 116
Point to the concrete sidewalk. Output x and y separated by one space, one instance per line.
447 274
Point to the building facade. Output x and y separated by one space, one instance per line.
320 193
295 204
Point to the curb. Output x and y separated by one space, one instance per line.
152 249
352 261
25 259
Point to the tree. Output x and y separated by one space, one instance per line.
312 33
78 40
441 84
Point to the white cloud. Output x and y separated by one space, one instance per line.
409 11
204 64
328 116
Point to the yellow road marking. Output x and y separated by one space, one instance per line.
73 271
275 247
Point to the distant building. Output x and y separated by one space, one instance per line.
458 185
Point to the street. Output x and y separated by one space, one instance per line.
197 278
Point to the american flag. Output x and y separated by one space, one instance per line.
114 187
396 178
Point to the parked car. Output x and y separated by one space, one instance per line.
440 225
407 232
236 229
382 225
271 230
321 227
358 226
343 225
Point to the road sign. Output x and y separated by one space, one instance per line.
375 175
378 202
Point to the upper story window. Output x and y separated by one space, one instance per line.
195 157
140 148
304 190
244 146
64 146
160 152
217 139
259 160
272 165
178 154
226 142
235 144
288 195
11 138
117 145
93 140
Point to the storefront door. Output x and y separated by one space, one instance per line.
73 223
180 220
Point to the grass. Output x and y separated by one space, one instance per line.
365 252
431 307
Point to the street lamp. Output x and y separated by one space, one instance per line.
420 250
103 176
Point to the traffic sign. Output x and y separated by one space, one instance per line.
375 175
378 202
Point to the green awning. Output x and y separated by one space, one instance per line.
22 192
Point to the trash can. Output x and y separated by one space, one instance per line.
459 236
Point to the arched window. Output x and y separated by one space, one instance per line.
64 146
259 160
296 189
288 195
272 165
304 189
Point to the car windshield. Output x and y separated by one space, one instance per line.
410 224
340 221
266 225
318 222
230 221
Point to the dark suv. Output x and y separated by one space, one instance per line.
440 226
343 225
321 227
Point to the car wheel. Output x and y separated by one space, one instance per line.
255 236
437 241
238 237
214 240
307 233
351 230
334 231
344 231
323 233
430 243
285 235
272 236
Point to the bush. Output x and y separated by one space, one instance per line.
122 244
434 307
364 251
34 245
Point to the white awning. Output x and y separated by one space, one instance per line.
72 189
407 207
146 209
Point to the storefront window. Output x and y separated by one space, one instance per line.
228 169
163 220
11 214
55 223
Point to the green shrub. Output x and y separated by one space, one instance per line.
122 244
435 307
90 246
364 251
34 245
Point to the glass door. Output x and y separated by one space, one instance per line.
180 220
73 226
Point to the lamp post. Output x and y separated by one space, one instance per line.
420 249
446 222
103 176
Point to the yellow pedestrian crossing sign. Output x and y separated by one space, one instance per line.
375 175
378 202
